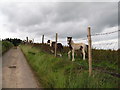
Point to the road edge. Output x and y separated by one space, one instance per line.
34 73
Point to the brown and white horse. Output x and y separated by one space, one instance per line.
52 44
59 46
76 46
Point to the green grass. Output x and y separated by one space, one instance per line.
6 45
104 59
107 59
55 72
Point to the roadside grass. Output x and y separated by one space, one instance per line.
0 47
6 45
59 72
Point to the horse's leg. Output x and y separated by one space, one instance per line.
73 59
69 54
83 51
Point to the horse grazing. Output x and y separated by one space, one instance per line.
76 46
52 44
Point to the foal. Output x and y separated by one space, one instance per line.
76 46
52 44
59 46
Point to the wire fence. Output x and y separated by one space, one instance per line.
103 41
105 33
99 40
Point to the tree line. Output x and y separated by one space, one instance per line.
14 41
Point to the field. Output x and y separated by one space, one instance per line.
60 72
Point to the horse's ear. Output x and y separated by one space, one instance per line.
48 41
69 37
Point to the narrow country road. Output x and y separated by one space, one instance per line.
20 76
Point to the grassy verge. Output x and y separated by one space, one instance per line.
55 72
106 60
6 45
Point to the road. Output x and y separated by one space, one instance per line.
19 77
0 71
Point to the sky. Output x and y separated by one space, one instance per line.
33 19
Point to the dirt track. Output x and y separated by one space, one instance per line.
19 77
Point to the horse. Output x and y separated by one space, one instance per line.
76 46
30 41
52 44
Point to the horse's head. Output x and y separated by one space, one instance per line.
30 41
69 40
48 41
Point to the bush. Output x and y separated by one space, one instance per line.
6 45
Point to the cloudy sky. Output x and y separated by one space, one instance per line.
33 19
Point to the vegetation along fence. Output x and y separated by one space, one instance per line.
100 48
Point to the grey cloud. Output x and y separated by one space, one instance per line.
65 18
98 15
27 14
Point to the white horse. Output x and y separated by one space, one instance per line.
76 46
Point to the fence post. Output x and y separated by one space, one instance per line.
27 39
56 45
89 51
42 39
33 40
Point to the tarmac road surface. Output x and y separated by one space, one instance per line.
16 72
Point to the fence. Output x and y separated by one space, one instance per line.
105 44
92 42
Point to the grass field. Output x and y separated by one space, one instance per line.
59 72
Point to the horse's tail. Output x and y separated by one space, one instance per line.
86 48
62 46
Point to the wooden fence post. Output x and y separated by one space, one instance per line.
33 40
27 39
56 45
42 39
89 51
